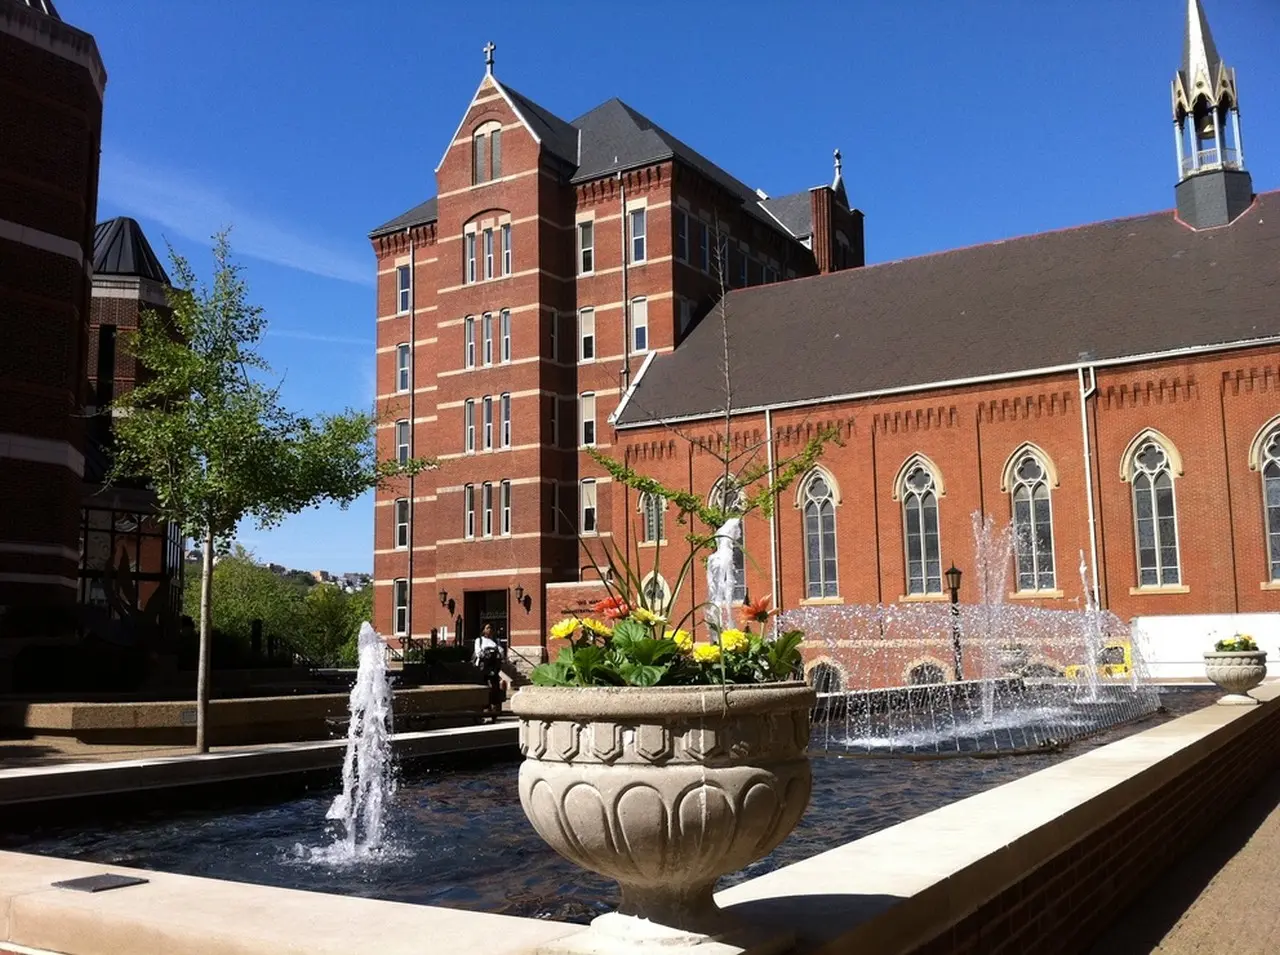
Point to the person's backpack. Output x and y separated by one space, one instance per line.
490 657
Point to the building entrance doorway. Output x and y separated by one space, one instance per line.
485 606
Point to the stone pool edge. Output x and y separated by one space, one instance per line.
1058 851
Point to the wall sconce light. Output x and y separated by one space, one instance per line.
444 597
519 594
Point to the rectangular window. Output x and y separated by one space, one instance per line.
586 247
638 235
555 336
488 423
742 268
587 496
506 508
488 338
686 315
469 257
639 325
587 335
555 507
402 367
400 591
555 421
587 406
402 522
402 440
469 333
486 508
505 404
495 153
704 248
506 249
504 322
402 287
480 156
488 253
682 236
469 419
469 511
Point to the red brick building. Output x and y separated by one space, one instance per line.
1090 385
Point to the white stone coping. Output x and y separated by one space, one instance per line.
884 893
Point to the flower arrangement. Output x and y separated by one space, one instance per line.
634 646
1236 643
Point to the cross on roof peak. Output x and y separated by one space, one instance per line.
488 56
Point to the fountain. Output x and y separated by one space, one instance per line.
367 779
720 573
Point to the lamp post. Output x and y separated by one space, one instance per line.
953 584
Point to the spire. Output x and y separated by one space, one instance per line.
837 183
1203 75
1199 54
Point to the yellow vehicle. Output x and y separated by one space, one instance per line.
1114 660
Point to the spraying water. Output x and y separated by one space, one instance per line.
720 572
367 780
992 548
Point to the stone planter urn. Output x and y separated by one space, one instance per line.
1236 672
665 789
1012 659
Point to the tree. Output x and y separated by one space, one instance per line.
213 438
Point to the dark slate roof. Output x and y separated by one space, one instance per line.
1117 289
43 6
419 215
121 248
794 211
559 137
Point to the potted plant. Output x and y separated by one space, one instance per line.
1237 666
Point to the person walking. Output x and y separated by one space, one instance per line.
488 657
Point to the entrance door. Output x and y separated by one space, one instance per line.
485 606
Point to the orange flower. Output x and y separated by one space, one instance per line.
756 610
615 608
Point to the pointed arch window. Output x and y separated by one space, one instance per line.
653 517
1155 515
820 567
920 530
734 500
1270 468
1032 523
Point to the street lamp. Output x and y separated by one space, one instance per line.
953 584
519 595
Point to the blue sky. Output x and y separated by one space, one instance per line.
304 123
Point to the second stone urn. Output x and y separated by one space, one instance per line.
1236 672
664 789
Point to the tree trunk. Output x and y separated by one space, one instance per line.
206 638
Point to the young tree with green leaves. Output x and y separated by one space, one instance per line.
212 438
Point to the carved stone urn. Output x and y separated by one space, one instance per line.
664 789
1236 672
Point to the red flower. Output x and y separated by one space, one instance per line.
756 610
615 608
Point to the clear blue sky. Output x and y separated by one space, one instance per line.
304 123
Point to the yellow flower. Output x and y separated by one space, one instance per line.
731 641
707 653
564 629
683 639
596 627
647 616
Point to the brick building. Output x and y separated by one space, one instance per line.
1088 385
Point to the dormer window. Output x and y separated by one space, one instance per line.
486 153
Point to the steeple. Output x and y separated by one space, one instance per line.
1213 187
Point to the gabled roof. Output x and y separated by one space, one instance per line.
559 137
1116 290
121 248
43 6
794 211
420 214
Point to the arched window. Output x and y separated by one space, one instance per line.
1269 465
820 570
825 678
486 152
655 593
923 674
920 528
652 508
1154 515
734 501
1032 523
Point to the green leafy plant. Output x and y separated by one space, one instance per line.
1236 643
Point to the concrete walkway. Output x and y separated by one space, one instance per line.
1223 898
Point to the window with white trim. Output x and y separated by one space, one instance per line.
638 220
586 247
587 507
469 258
821 575
402 366
504 331
505 500
919 493
469 337
469 426
504 404
469 511
486 508
487 353
488 253
587 416
506 248
1032 525
639 325
402 522
403 288
402 440
487 418
587 335
1269 466
1155 516
400 602
682 235
652 516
